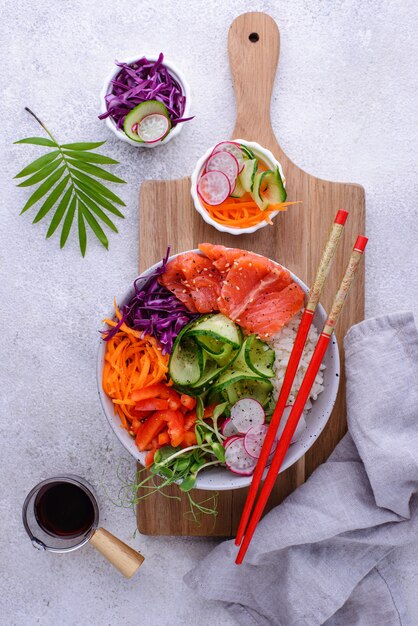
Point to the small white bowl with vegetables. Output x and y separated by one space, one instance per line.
238 187
145 101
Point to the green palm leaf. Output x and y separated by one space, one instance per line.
59 213
51 200
82 234
83 146
43 189
94 225
100 200
38 141
98 211
41 174
97 187
90 157
68 178
68 222
38 164
99 172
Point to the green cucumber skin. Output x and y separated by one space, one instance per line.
254 344
176 365
275 188
248 175
247 152
197 331
239 190
212 325
139 112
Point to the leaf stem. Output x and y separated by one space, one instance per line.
41 123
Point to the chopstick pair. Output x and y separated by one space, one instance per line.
247 526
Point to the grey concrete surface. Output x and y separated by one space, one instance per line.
344 107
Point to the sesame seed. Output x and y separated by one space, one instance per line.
237 288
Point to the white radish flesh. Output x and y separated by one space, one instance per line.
214 188
153 128
237 458
229 440
234 149
228 428
247 413
254 440
224 162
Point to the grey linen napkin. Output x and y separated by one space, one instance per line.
323 556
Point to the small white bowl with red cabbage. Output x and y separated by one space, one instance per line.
145 101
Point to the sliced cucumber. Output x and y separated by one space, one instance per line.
247 153
211 345
268 189
208 375
137 114
248 174
239 190
259 357
219 327
186 361
255 193
228 355
275 191
256 388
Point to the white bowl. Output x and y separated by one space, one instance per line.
264 155
220 478
107 88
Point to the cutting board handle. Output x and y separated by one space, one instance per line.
253 46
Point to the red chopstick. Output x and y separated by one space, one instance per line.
303 394
303 330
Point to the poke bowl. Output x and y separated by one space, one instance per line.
238 187
219 361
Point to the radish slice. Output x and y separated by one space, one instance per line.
229 440
237 458
254 439
228 429
153 128
214 188
224 162
234 148
247 413
299 428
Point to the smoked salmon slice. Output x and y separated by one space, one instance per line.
194 281
268 314
250 289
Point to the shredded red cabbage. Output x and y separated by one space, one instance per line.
154 310
140 81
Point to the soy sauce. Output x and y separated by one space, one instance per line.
64 510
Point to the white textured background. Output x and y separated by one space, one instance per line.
344 108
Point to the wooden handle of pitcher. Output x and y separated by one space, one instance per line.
253 46
119 554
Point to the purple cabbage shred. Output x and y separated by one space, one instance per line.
154 310
140 81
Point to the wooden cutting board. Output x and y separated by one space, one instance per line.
295 240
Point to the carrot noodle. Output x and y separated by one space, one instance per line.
243 212
131 362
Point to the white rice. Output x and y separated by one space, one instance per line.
282 344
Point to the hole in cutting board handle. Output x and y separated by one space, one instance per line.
254 37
